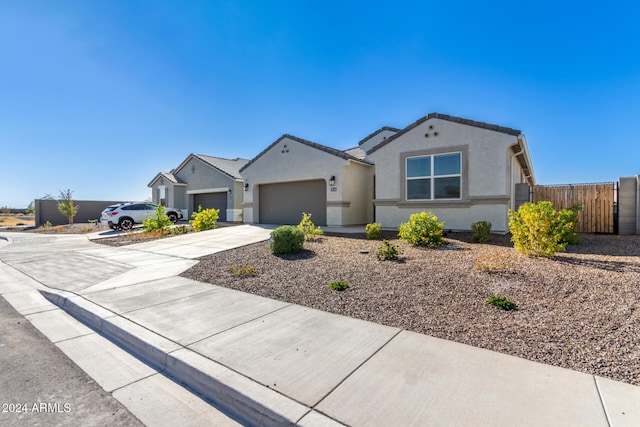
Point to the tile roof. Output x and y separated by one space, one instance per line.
230 167
172 178
356 152
382 129
326 149
169 176
447 117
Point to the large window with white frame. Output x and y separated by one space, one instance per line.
434 177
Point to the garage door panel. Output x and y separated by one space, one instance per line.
211 201
283 203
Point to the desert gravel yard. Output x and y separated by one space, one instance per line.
580 310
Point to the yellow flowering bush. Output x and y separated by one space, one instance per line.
422 229
204 219
538 229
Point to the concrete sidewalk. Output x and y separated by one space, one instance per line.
266 362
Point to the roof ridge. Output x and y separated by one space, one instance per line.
321 147
447 117
233 159
374 133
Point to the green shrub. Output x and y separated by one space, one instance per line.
179 229
388 251
569 224
158 222
311 232
538 229
481 231
204 219
502 303
338 286
286 239
423 229
373 231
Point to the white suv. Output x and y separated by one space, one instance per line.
125 215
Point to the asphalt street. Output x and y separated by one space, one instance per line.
41 386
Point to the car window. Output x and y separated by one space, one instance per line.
129 208
137 207
151 207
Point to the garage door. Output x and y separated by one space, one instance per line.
212 201
284 203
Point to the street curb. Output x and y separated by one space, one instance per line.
256 404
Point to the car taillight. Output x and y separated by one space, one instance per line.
112 213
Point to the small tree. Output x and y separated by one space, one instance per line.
66 206
311 232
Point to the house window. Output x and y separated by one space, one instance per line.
436 177
162 195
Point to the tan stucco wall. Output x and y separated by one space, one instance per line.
455 218
487 180
291 160
357 188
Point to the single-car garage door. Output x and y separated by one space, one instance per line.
212 201
284 203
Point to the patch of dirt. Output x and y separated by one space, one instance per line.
14 221
78 228
579 310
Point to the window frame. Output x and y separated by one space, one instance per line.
433 177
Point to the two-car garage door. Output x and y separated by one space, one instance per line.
283 203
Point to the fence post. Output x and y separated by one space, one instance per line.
637 204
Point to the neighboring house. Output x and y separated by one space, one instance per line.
210 182
462 170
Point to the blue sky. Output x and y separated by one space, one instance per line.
99 96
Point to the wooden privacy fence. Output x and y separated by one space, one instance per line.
597 200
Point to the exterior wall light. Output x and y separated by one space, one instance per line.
246 186
332 181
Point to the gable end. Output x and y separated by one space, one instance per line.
447 117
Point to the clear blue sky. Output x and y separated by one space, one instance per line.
99 96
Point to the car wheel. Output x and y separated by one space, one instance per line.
126 223
173 217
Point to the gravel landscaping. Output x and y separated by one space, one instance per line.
579 310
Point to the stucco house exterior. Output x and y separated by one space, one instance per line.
212 182
294 175
462 170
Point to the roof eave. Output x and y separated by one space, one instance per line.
447 117
521 152
319 147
